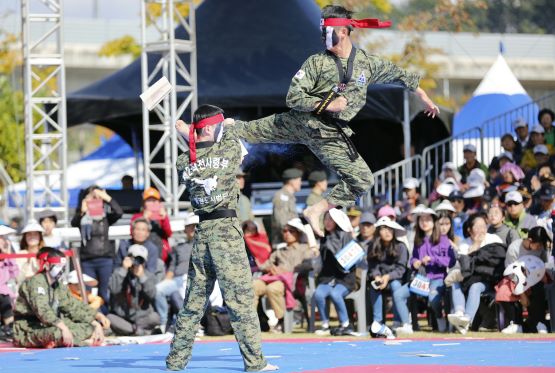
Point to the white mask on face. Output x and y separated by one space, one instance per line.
56 271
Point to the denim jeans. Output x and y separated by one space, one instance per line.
472 302
437 289
101 270
163 290
400 295
336 293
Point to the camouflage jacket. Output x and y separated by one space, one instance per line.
49 304
318 75
284 209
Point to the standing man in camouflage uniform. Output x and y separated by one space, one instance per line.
284 203
244 208
325 94
47 315
318 181
208 171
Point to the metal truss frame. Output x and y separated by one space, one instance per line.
45 107
170 54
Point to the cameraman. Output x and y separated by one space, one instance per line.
132 293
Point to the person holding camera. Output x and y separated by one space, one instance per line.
132 294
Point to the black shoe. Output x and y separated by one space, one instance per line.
343 330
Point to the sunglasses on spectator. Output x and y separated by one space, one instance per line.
512 203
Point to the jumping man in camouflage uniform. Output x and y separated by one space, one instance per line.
319 119
218 250
47 315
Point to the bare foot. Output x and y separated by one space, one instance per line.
269 368
313 213
182 128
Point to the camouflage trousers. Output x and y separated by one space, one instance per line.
34 334
324 141
218 253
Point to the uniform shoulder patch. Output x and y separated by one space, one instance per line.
361 79
40 290
284 197
300 74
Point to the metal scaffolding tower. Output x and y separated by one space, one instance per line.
163 16
45 106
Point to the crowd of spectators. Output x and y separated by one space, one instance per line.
454 254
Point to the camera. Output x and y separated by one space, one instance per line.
137 260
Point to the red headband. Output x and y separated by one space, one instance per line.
210 121
43 259
357 23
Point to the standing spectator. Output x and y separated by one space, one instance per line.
48 220
31 242
367 230
132 289
333 281
277 283
387 264
155 212
95 213
140 233
498 227
127 182
546 118
434 253
244 208
522 137
412 198
532 152
284 202
509 146
517 217
470 162
318 182
176 276
8 274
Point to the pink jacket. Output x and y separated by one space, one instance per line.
287 279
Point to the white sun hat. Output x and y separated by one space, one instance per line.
422 210
384 221
341 219
32 226
6 231
445 205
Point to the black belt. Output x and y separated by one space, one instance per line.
218 214
338 124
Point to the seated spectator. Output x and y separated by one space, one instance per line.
534 299
132 292
48 220
155 213
546 118
479 257
176 276
354 213
517 217
459 217
474 196
498 227
512 175
333 281
509 146
127 182
538 176
442 191
8 274
277 282
96 211
522 137
434 253
387 264
470 163
387 211
31 242
537 150
367 229
94 301
47 316
544 202
412 198
257 244
449 170
140 233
